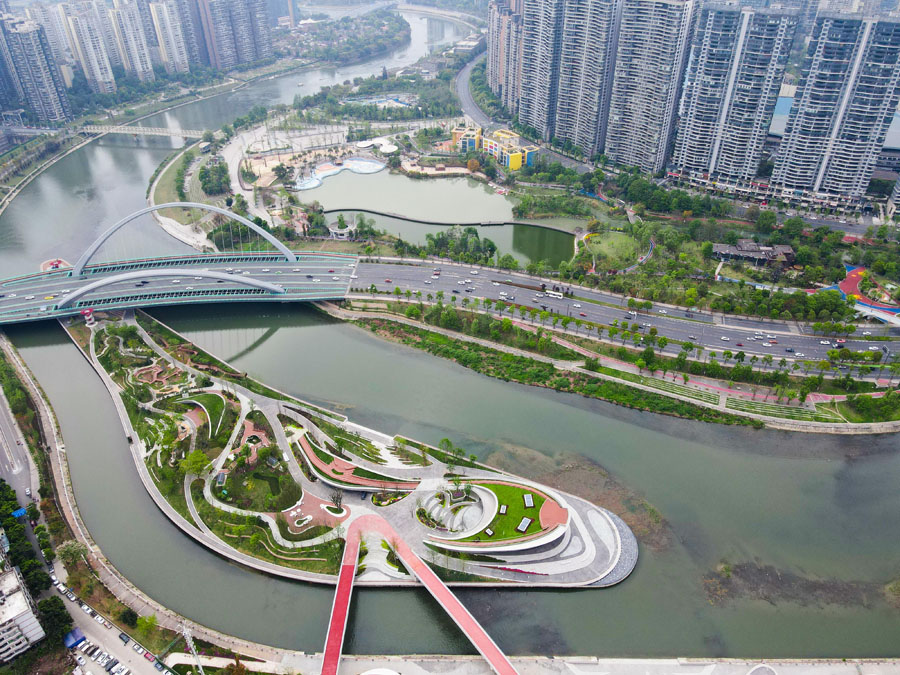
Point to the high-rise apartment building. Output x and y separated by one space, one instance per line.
504 57
650 58
731 87
848 93
31 71
53 21
173 51
131 41
235 31
86 38
566 68
19 625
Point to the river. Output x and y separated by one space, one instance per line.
817 507
728 494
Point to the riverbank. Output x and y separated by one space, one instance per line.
647 392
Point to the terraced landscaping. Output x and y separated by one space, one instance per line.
682 390
213 404
784 411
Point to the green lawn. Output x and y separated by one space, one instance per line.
681 390
504 526
787 412
617 249
214 404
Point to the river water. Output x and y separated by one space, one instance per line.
798 503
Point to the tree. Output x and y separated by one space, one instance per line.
146 624
35 577
473 165
283 173
55 618
129 617
765 223
208 136
71 551
337 498
195 463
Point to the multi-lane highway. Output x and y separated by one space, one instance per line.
712 332
170 281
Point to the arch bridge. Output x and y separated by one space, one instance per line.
279 275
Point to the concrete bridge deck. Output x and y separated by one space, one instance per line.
140 131
467 623
190 279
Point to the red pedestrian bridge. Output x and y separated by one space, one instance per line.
414 564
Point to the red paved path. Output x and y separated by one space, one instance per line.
438 589
337 625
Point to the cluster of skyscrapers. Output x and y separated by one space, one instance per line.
691 86
40 52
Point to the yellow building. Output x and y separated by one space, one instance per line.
503 145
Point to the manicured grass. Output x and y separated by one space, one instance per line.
784 411
682 390
504 526
214 404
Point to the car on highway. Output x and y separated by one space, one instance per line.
335 278
581 314
49 297
29 297
461 282
867 332
799 355
663 311
739 344
175 281
841 341
198 278
329 271
387 281
427 281
455 290
692 337
789 350
725 338
774 342
468 281
824 342
475 272
576 305
495 283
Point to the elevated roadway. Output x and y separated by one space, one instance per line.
140 131
201 278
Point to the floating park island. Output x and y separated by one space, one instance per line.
280 485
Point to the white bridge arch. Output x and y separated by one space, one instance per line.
78 269
162 273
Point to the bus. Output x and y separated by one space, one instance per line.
554 294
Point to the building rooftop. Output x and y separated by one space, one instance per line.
13 597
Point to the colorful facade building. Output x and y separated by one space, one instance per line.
503 145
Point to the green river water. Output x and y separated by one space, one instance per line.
815 507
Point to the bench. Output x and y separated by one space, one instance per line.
529 500
523 526
503 509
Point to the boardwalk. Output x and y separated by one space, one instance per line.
496 659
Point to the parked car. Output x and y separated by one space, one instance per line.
124 638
